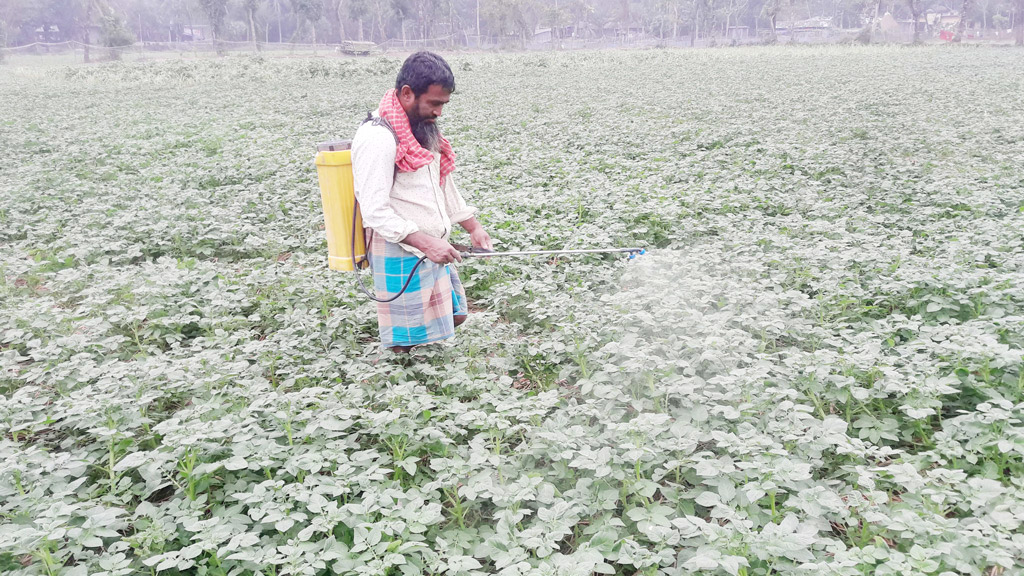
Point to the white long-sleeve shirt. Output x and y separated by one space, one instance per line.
395 204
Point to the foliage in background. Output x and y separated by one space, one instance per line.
3 41
508 23
115 33
308 11
216 12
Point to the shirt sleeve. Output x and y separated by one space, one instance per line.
373 173
454 204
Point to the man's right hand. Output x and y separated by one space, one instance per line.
437 250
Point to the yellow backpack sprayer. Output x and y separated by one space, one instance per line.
342 220
346 241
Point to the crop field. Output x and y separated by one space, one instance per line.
816 369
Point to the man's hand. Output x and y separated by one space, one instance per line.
481 239
437 250
477 234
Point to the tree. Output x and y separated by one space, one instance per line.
383 13
251 6
695 12
76 17
582 10
12 12
401 9
426 15
962 24
357 10
375 11
915 13
339 18
771 10
510 18
871 25
215 11
730 10
188 19
277 10
1020 23
556 18
307 11
147 19
115 33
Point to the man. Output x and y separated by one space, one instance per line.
402 167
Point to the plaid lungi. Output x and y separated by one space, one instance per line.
424 313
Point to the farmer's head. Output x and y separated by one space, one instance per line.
424 85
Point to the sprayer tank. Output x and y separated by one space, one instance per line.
337 191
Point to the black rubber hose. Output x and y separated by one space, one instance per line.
357 264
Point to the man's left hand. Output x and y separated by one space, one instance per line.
481 239
477 234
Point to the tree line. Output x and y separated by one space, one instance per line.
471 22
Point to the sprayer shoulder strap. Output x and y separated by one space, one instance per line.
380 121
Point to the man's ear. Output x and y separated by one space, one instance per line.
406 95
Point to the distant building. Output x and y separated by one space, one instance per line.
737 32
47 34
942 18
542 34
618 30
194 33
51 34
907 27
811 28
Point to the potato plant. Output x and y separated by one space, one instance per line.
817 369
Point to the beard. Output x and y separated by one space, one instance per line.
427 134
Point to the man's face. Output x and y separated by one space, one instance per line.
427 106
423 112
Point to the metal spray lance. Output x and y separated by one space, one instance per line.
346 242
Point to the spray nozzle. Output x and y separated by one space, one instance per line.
638 252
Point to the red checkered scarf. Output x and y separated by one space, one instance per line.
410 156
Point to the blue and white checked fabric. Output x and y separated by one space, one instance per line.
425 312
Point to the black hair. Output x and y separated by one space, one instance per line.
422 69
